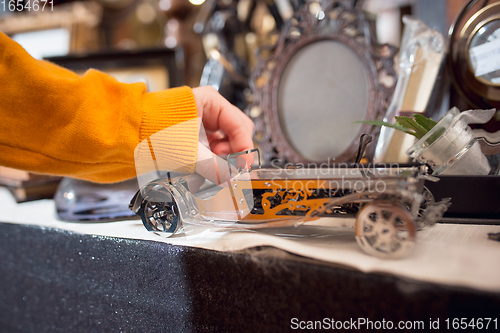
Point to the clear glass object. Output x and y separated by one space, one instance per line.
422 51
81 201
450 146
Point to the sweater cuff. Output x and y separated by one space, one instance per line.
169 132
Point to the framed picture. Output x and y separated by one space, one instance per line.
158 68
324 73
55 31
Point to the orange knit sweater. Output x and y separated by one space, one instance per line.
53 121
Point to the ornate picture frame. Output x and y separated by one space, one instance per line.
338 26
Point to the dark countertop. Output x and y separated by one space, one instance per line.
58 281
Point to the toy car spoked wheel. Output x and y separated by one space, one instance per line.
159 211
385 229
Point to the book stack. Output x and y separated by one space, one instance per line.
27 186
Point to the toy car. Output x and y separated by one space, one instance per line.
389 203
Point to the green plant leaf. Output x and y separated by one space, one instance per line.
410 123
434 136
383 123
417 126
425 122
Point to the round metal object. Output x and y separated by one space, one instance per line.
474 53
159 211
385 229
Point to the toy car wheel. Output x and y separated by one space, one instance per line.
159 211
385 229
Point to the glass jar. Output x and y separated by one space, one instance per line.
450 148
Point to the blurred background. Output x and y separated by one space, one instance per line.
202 29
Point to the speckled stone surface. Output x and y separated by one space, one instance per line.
56 281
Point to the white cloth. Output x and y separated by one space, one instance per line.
450 254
